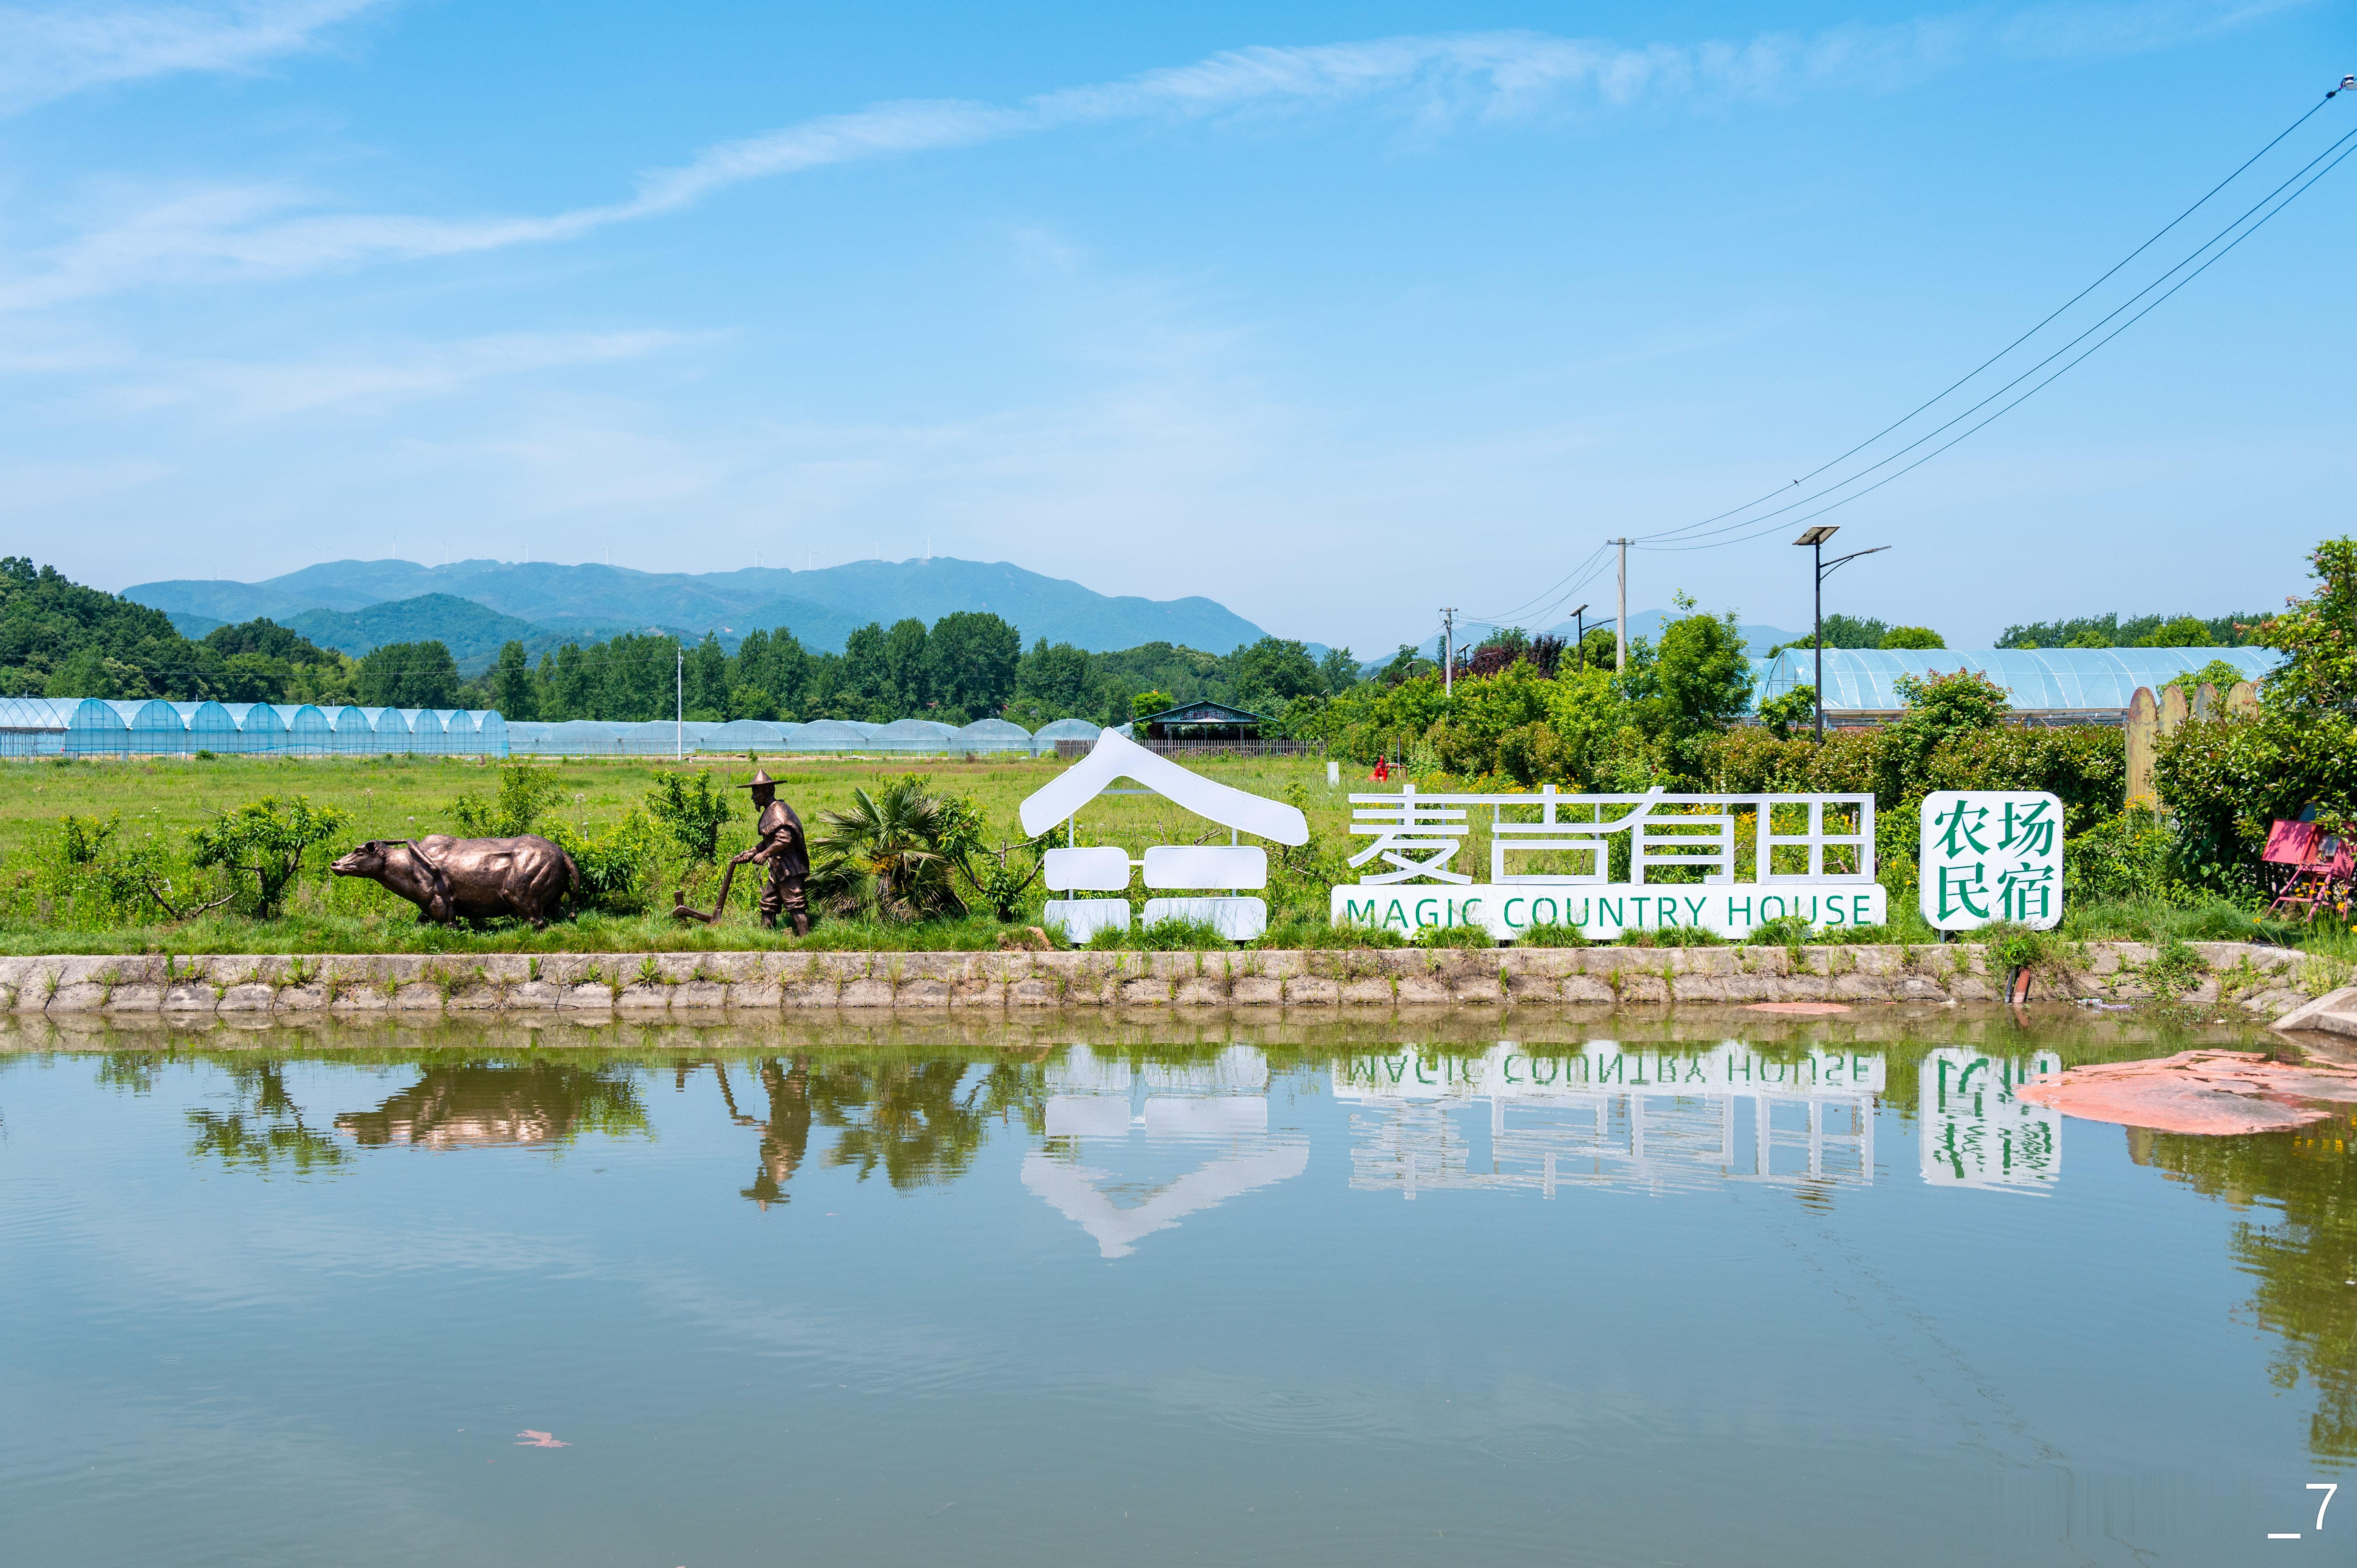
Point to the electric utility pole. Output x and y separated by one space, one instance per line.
1621 633
679 704
1449 651
1814 538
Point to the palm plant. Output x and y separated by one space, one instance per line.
883 854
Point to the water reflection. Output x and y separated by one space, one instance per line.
477 1104
1115 1130
920 1123
2303 1255
261 1129
1609 1114
1975 1133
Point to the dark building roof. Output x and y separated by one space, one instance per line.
1201 713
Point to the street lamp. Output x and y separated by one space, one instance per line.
1578 634
1814 538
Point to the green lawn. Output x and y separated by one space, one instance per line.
408 797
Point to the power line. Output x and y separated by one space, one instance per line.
2041 386
2109 273
1839 484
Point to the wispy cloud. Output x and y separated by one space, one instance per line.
237 390
48 53
261 231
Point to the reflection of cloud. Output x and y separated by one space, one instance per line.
1071 1191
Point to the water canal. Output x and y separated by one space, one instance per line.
1618 1292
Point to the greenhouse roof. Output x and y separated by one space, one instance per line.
2043 679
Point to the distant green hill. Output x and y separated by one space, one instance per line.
472 633
822 607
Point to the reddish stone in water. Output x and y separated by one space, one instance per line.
1808 1009
2199 1091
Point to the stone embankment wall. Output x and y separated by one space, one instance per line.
2260 982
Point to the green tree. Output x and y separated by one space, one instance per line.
47 622
515 692
776 664
704 682
1055 680
906 690
865 688
1841 631
572 689
970 659
409 675
1274 671
1912 637
1699 680
750 701
267 840
1339 669
2185 631
87 672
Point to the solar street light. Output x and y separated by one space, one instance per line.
1814 540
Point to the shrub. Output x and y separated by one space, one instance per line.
616 867
2227 779
524 791
884 855
267 840
1455 937
2125 856
691 812
1551 935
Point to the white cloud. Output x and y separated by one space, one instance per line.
259 232
248 391
50 53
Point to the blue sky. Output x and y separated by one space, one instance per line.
1334 313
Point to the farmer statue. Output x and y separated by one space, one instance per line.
777 843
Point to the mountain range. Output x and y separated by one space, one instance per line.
354 605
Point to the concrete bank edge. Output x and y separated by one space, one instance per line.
2260 982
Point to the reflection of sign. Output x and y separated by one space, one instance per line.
1610 863
1991 854
1221 1102
1107 868
1517 1072
1605 1114
1976 1133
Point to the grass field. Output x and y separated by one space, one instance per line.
408 797
403 797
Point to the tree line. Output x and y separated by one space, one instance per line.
967 665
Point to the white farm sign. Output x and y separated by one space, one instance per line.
1991 854
1608 863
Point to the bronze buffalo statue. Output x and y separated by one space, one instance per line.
478 879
